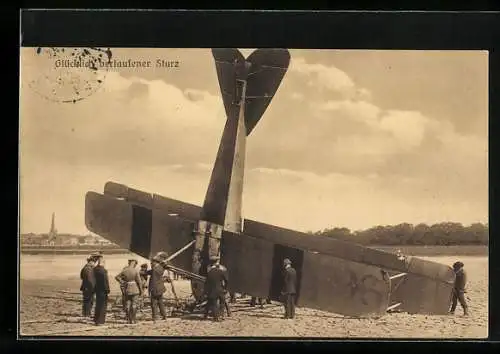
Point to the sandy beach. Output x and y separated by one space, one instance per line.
50 304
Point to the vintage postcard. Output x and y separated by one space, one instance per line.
253 192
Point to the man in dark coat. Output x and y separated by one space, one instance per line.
222 299
87 287
131 279
215 286
459 288
289 288
157 287
101 291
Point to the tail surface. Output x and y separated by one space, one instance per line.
247 87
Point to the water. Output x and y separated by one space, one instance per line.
35 267
69 266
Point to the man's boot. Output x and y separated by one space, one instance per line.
466 311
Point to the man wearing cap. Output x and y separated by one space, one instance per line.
144 275
101 291
459 288
289 288
215 286
132 284
88 286
120 281
157 286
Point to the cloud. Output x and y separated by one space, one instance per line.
326 76
324 154
407 127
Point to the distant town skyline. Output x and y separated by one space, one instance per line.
353 138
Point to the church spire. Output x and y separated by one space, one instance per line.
53 230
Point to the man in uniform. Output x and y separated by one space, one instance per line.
132 284
459 288
87 287
289 288
122 288
222 299
101 291
215 286
157 287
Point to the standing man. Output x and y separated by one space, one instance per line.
157 287
122 288
223 297
289 288
132 284
459 288
215 286
87 287
101 291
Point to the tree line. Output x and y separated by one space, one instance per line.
445 233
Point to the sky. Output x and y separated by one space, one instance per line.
352 138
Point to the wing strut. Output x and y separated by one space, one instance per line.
392 307
172 256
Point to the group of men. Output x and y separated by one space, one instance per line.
95 284
133 284
216 288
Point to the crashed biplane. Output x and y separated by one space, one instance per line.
333 275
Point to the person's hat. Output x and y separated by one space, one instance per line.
144 265
158 259
161 255
457 265
132 260
287 261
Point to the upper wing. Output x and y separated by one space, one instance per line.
144 225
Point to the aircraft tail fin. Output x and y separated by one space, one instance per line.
268 67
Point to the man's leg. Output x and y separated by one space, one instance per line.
85 304
99 309
161 305
154 302
226 305
128 307
133 307
124 299
285 304
208 306
453 301
292 306
463 303
104 308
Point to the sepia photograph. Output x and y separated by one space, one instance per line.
266 192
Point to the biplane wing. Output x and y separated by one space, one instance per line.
323 282
336 276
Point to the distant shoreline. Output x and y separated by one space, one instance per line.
465 250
